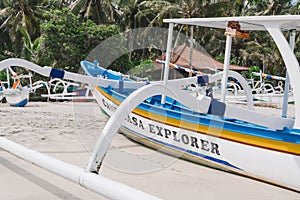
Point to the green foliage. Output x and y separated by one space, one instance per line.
65 41
17 15
3 55
143 69
220 57
233 61
31 48
3 75
252 69
122 64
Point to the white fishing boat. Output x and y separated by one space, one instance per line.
268 93
17 96
222 136
59 89
2 88
201 129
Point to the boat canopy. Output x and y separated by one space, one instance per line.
275 25
248 23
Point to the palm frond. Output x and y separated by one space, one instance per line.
76 6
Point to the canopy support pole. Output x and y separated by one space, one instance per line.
291 63
226 68
287 78
7 78
168 58
191 49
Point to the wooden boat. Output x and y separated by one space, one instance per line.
228 138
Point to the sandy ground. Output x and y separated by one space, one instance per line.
68 131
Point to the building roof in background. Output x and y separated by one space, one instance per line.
200 60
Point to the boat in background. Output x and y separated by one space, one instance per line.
2 88
59 89
264 93
270 94
17 95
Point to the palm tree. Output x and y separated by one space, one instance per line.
19 14
295 8
101 12
185 9
260 50
30 48
55 4
4 4
255 7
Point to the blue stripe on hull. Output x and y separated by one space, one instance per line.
186 114
219 161
20 104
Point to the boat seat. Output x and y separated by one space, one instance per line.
214 107
174 106
272 122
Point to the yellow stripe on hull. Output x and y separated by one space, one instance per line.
280 146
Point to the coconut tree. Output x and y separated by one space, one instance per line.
19 14
101 12
184 9
295 8
152 13
55 4
30 48
259 7
260 50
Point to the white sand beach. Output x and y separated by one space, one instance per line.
68 131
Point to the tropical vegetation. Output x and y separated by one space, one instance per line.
60 33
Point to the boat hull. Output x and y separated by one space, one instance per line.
1 95
17 97
269 165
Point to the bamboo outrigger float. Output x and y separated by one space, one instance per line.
201 129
